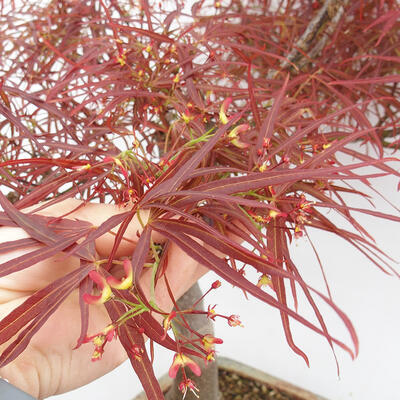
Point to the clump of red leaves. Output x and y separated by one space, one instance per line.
220 113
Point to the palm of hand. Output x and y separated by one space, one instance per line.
50 365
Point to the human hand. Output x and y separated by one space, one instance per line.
50 365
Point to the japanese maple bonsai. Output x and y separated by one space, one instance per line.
231 124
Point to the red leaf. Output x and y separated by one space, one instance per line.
390 18
301 133
260 180
22 128
335 147
188 167
219 266
44 190
275 243
5 220
213 170
367 158
105 227
216 212
191 196
38 227
268 125
140 254
155 36
31 225
215 239
360 243
50 108
37 308
29 259
367 81
17 244
85 286
132 339
358 114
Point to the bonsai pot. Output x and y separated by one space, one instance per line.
238 381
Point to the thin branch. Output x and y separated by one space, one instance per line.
317 33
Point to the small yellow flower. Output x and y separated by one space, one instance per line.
127 282
263 167
83 167
180 361
102 284
264 281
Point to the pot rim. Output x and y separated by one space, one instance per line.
248 372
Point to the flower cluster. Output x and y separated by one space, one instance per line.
100 340
106 285
209 343
301 214
188 384
181 361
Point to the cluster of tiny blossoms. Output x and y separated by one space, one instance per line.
301 210
105 286
298 214
206 343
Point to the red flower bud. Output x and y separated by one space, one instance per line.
216 285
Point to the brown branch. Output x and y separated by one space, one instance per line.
316 35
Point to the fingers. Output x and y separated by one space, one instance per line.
49 365
182 273
36 276
96 214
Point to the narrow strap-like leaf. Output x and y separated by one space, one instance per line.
32 258
131 338
267 127
20 126
36 309
85 286
105 227
28 223
5 247
192 195
188 167
218 241
37 226
5 220
140 254
274 245
260 180
219 266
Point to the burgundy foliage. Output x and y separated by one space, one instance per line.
217 113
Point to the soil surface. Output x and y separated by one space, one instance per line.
236 387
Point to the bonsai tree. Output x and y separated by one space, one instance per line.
224 131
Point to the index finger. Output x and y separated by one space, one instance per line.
96 214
